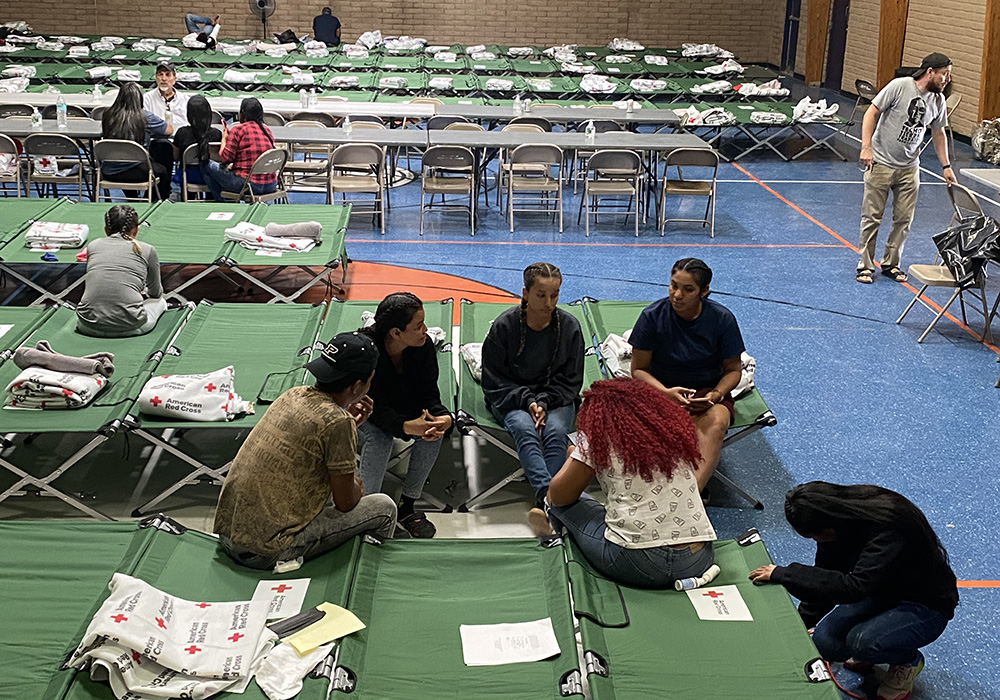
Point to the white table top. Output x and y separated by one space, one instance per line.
984 176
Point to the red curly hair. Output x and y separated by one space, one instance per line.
647 431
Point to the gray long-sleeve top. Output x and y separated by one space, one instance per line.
116 276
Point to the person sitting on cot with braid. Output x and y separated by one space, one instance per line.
652 529
119 270
689 347
532 376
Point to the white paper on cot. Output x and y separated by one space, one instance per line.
220 216
269 253
286 596
4 327
720 603
508 643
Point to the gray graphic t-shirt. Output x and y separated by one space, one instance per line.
906 113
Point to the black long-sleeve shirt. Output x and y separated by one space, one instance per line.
870 562
402 396
515 382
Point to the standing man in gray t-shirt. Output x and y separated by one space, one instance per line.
890 151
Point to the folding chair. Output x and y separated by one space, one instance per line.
941 276
60 147
273 119
611 173
49 111
366 119
189 159
321 117
359 168
13 175
122 151
449 170
950 105
16 110
541 122
530 170
580 156
680 158
270 162
503 168
866 93
314 167
965 203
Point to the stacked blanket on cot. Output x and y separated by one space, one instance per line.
292 238
50 380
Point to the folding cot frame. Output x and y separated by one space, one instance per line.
752 413
435 585
112 410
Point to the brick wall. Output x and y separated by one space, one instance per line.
753 33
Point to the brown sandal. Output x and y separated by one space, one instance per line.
864 276
895 274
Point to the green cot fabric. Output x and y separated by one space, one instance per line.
53 576
182 232
434 586
672 68
500 64
459 83
461 64
328 253
402 63
23 320
217 335
66 212
534 66
475 322
342 62
135 360
665 651
16 214
554 85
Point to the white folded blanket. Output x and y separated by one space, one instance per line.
343 81
597 83
808 111
540 84
472 353
46 389
51 45
129 75
164 50
71 39
441 83
617 44
520 51
654 60
102 46
704 51
99 72
116 40
78 51
716 116
617 59
499 84
14 84
483 56
768 118
728 66
240 76
647 85
370 39
255 238
716 87
392 83
771 88
569 67
52 235
318 53
405 43
355 51
10 48
477 48
446 56
18 72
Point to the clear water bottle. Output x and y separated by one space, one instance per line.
517 105
348 127
36 118
61 119
590 131
96 93
313 100
303 98
527 105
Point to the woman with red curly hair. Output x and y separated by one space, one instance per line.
652 529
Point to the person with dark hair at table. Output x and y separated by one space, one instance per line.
293 492
241 146
326 28
198 131
126 119
881 587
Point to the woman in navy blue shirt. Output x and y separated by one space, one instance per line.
689 347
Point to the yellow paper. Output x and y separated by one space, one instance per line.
337 623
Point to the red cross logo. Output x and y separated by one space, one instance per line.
161 623
119 618
291 245
236 637
67 392
99 381
165 376
231 396
225 407
210 387
259 239
282 588
44 162
713 594
192 649
135 657
156 401
203 605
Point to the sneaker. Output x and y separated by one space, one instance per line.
898 684
417 524
858 666
539 523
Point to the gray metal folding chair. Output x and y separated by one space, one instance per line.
531 169
12 176
359 168
16 110
273 119
122 151
313 169
65 151
965 204
612 174
189 159
49 111
321 117
270 162
448 170
703 159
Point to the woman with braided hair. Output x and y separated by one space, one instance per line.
241 146
643 449
119 268
407 405
532 376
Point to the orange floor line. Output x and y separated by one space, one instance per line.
979 584
847 244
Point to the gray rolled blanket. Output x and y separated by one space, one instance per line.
42 355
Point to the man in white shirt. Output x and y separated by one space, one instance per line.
164 101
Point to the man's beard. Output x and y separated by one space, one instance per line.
934 87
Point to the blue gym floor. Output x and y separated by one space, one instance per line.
857 399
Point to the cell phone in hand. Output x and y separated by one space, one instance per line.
701 400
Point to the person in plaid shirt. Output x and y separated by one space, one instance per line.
241 146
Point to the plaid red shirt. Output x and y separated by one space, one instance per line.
245 143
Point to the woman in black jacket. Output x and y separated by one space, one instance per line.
407 405
881 587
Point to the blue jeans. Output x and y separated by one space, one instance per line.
220 179
192 22
376 449
877 631
542 456
654 567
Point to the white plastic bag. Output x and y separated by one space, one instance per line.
207 398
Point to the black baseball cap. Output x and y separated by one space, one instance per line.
347 354
932 60
166 67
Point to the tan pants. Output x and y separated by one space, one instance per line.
879 181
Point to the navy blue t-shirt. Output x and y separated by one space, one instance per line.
687 353
325 29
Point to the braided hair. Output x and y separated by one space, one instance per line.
121 220
531 273
701 272
395 311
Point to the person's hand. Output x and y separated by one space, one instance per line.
361 409
360 485
680 395
437 426
762 574
866 159
537 414
949 176
703 403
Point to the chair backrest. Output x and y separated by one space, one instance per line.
7 145
952 103
97 112
865 89
614 159
542 122
426 101
270 162
964 201
524 128
273 119
50 145
464 126
217 118
693 157
120 150
323 117
306 123
16 110
49 111
542 153
442 121
190 156
369 118
456 158
357 155
367 125
602 126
